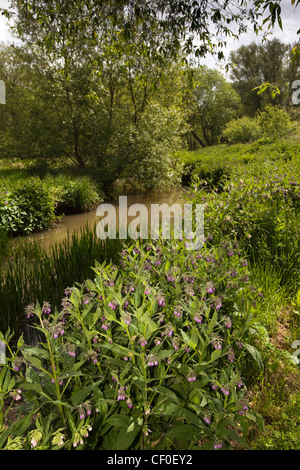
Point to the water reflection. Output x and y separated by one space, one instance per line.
71 223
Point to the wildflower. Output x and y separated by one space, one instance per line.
157 341
88 408
161 300
85 300
36 436
147 266
216 342
114 379
129 403
217 303
214 386
175 344
92 356
189 291
58 330
210 289
230 355
16 394
30 310
169 330
207 418
170 276
121 394
46 308
17 364
113 304
81 410
153 361
198 318
105 326
178 311
68 291
71 348
143 341
127 319
77 439
218 445
227 322
240 384
191 376
225 390
147 290
58 438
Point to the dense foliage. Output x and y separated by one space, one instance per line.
147 355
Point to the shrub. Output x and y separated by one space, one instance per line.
144 357
275 123
242 130
27 208
73 195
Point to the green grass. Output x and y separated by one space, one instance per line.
34 274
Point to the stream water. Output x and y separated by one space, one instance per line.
71 223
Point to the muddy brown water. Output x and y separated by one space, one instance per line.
74 223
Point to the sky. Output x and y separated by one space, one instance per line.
290 20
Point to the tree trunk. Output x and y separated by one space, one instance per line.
197 138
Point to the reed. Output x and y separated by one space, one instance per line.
35 273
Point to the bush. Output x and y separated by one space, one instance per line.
27 208
158 139
73 195
276 123
148 356
242 130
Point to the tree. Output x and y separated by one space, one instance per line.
196 27
211 103
256 64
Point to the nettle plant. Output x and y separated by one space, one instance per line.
149 355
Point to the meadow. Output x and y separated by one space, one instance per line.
153 347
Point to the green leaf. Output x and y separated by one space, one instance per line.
125 439
183 431
255 354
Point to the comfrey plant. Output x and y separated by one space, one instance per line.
148 355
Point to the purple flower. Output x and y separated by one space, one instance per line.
210 289
143 341
129 403
153 361
178 311
218 445
225 390
121 394
198 318
227 322
191 377
46 308
113 304
207 418
127 319
161 300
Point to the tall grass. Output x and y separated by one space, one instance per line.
36 274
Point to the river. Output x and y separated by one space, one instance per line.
71 223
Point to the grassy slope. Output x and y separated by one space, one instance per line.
275 393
